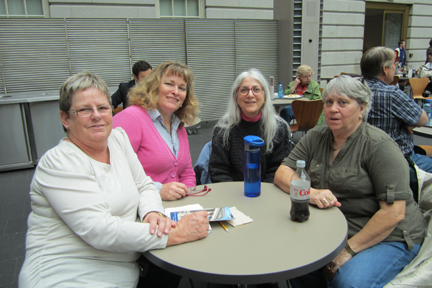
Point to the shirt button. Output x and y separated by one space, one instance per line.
173 174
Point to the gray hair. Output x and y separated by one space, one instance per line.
354 88
78 82
269 117
374 59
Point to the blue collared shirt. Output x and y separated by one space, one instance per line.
171 140
392 111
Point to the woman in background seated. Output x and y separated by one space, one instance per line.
360 169
250 112
305 86
160 105
86 195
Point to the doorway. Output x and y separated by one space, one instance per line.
385 25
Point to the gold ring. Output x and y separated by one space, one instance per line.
330 198
324 201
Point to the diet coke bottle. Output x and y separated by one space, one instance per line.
300 193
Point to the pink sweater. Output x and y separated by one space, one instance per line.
154 154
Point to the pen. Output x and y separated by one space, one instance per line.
223 226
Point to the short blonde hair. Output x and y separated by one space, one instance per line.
146 93
304 69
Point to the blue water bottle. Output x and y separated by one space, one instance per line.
280 90
427 108
252 166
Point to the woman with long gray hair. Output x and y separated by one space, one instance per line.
250 112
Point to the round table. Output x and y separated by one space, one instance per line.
271 248
280 103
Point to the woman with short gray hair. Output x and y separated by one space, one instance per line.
361 170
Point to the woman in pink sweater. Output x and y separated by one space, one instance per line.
160 104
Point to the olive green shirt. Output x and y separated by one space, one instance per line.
368 168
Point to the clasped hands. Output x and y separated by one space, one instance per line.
191 227
323 198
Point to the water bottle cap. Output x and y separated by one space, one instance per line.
253 140
428 101
301 164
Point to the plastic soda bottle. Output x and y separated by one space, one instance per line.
280 90
300 193
427 108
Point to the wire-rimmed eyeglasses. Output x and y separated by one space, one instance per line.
203 192
256 90
88 111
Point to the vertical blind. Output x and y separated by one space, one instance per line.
39 54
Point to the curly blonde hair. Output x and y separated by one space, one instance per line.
146 93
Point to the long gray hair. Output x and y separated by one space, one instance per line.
269 117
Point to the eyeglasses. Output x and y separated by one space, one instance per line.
87 112
194 193
256 90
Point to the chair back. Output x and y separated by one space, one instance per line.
307 114
418 85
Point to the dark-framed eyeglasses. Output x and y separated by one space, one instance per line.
194 193
256 90
88 111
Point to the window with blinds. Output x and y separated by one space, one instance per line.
40 54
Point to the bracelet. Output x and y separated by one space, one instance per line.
160 214
349 250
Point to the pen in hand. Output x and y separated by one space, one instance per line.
223 226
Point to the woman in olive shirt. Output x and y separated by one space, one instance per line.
360 169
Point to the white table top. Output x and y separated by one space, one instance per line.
271 248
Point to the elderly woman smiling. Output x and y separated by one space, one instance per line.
86 194
361 170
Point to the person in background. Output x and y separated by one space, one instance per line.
302 85
400 53
426 70
140 70
160 105
94 209
250 112
427 52
359 169
392 110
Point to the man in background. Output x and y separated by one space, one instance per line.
140 70
392 110
401 53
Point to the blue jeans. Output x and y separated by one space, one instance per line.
422 161
374 267
287 114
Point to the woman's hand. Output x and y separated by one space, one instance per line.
323 198
159 222
173 191
331 268
297 81
191 227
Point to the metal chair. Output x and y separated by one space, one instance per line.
418 85
307 114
